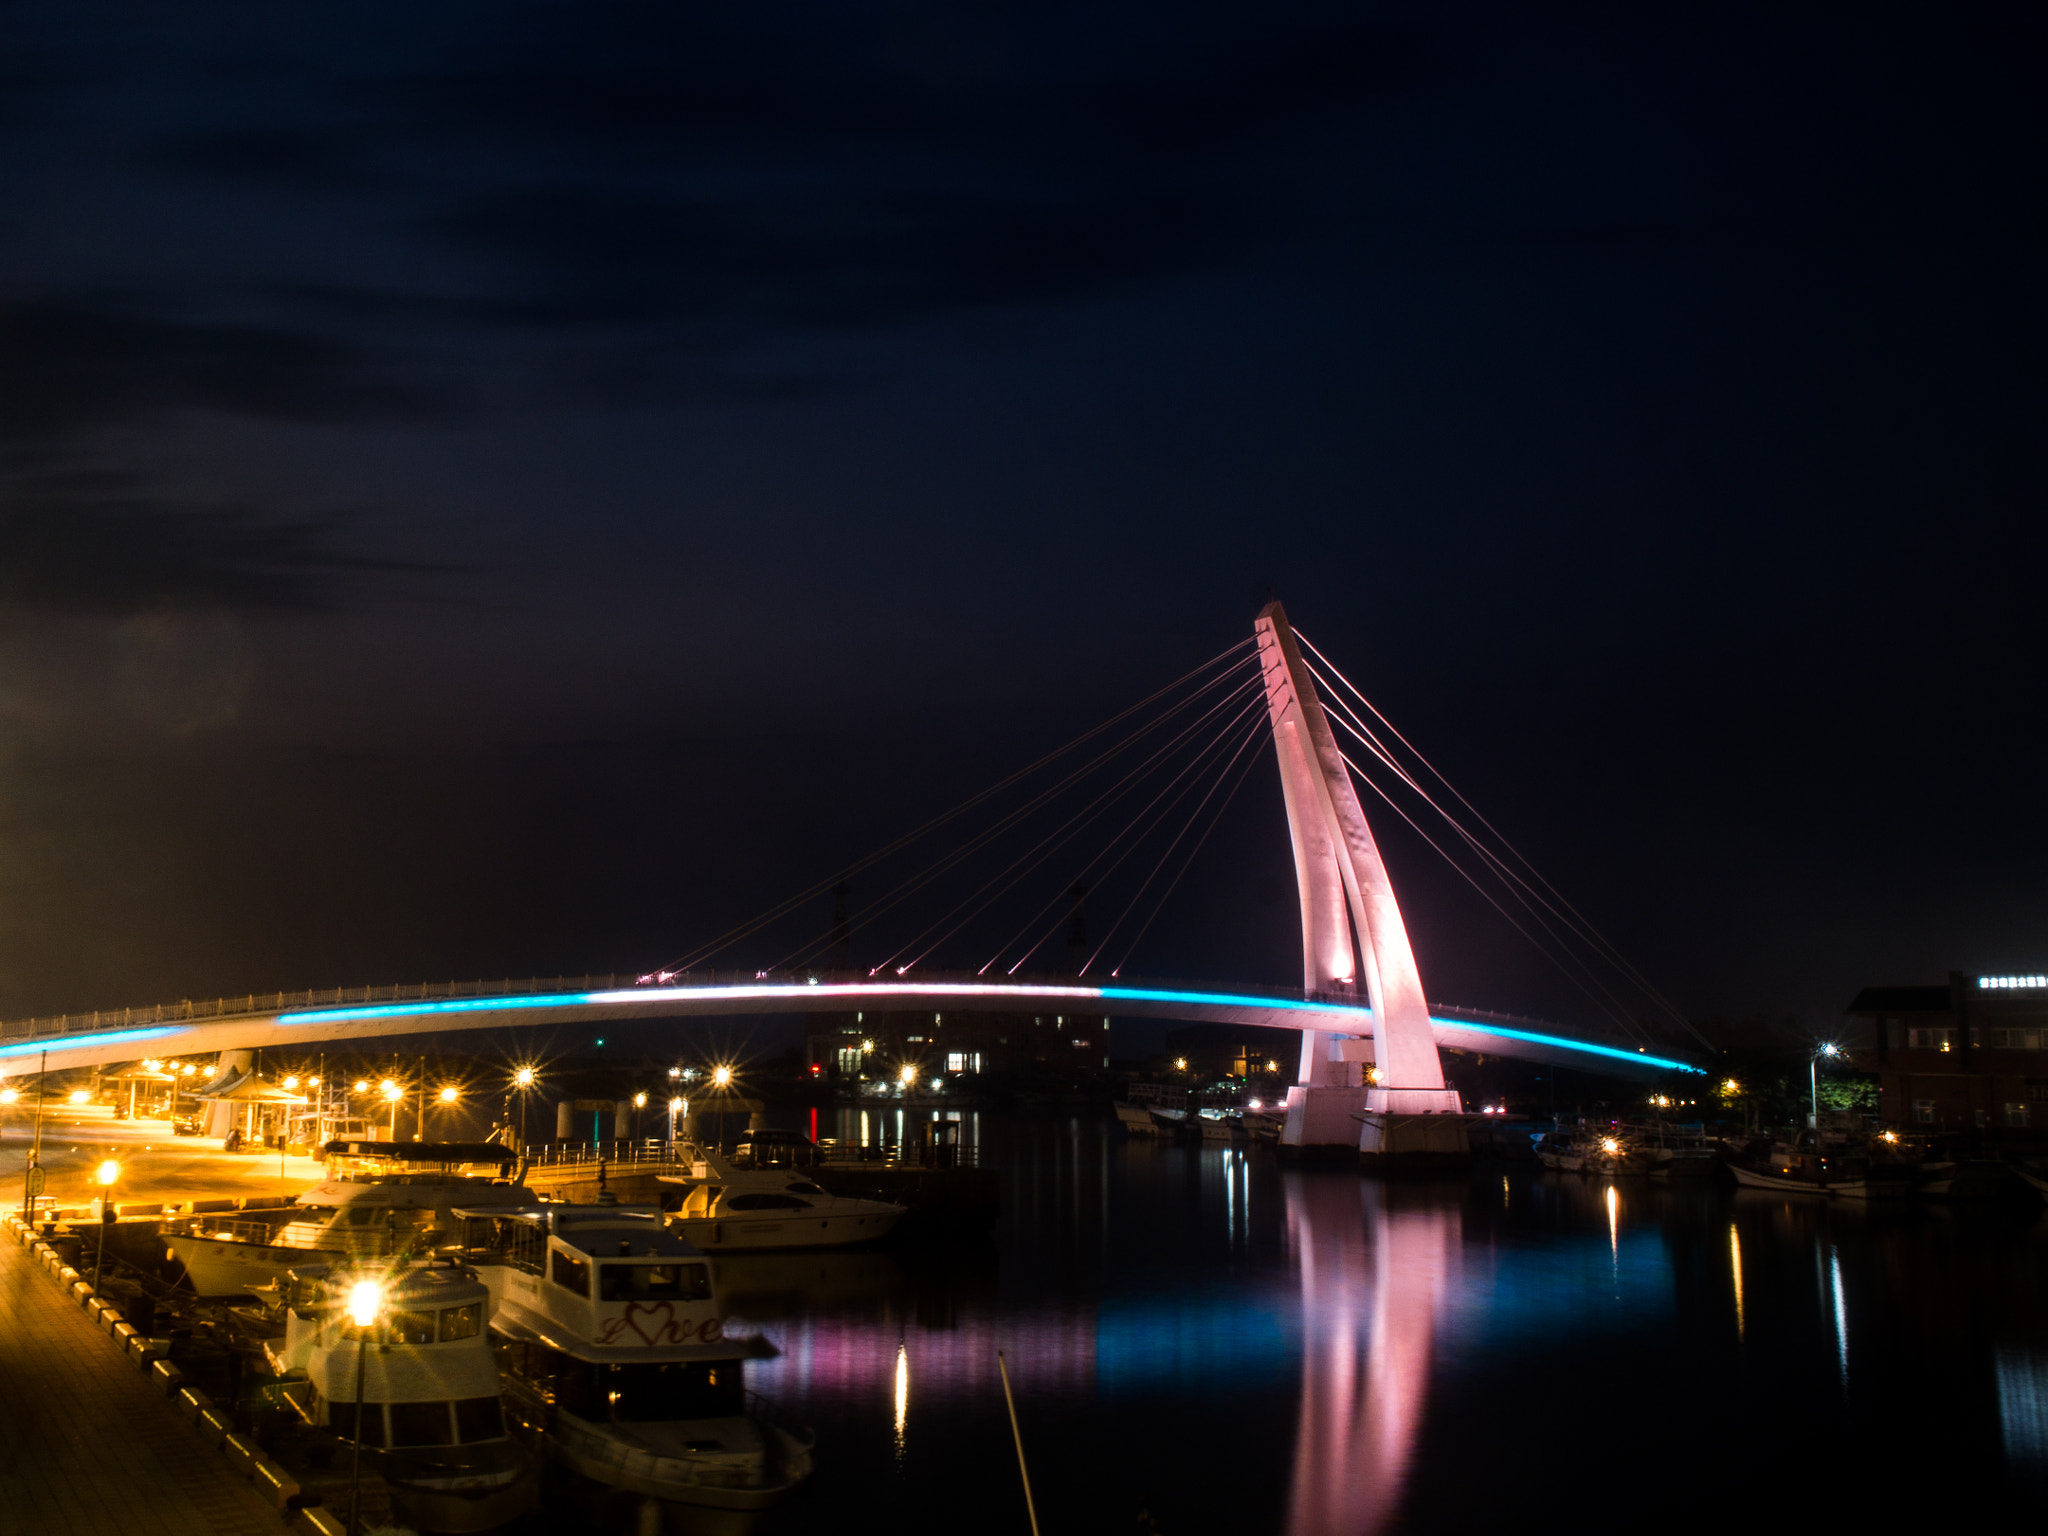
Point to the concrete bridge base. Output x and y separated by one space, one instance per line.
1390 1142
1321 1122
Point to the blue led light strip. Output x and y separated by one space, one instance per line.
74 1042
772 991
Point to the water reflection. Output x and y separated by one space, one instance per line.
1373 1280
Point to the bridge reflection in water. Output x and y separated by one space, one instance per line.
1373 1283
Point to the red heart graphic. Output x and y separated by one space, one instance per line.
664 1331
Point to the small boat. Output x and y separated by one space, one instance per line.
617 1362
432 1418
1782 1182
1218 1124
380 1199
1874 1188
725 1208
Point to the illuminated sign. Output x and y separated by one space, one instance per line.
2012 983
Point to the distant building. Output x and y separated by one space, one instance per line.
875 1047
1972 1054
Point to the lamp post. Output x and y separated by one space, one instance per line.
523 1080
106 1174
1813 1083
393 1094
639 1103
365 1300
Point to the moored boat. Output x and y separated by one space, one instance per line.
616 1359
1786 1182
726 1208
380 1200
433 1424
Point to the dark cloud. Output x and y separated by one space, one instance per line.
284 156
69 365
95 542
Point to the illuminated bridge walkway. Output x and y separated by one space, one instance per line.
290 1019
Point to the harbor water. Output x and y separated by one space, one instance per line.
1203 1339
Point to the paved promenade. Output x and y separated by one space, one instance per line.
87 1446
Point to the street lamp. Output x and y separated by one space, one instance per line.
675 1107
365 1301
392 1094
909 1076
722 1078
1813 1083
106 1175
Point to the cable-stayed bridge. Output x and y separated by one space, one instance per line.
1370 1040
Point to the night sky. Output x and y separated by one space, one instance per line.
510 488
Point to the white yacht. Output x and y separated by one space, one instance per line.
615 1356
726 1208
432 1418
381 1198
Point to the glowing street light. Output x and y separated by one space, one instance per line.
909 1075
291 1083
361 1085
722 1078
523 1078
80 1096
1180 1063
365 1301
392 1094
9 1095
449 1095
106 1176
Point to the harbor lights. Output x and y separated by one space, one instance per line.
365 1303
639 1103
393 1094
721 1077
908 1076
676 1107
106 1176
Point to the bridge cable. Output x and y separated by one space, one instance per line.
923 876
1605 1001
1193 816
789 904
1592 935
912 884
1100 855
1519 888
1053 841
1251 762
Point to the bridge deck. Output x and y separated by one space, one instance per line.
292 1019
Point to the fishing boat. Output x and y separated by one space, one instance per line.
433 1421
726 1208
380 1199
1784 1181
617 1362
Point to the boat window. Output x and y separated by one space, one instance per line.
572 1273
461 1322
640 1394
362 1215
479 1418
341 1418
421 1424
668 1282
805 1189
766 1203
410 1328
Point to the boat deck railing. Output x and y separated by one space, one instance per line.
661 1157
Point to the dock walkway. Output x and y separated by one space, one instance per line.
87 1446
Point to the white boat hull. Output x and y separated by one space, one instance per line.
1749 1178
229 1267
748 1231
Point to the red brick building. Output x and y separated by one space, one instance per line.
1969 1055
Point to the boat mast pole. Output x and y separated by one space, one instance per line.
1017 1434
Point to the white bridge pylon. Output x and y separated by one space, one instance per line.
1352 938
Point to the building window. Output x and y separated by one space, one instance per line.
1923 1111
2016 1116
2016 1039
849 1060
956 1061
1930 1039
915 1039
2037 1090
1080 1045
